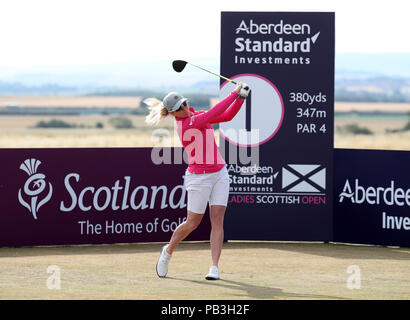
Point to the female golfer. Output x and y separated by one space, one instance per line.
206 178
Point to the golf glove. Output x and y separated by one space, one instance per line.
244 91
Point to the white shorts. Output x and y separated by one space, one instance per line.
207 187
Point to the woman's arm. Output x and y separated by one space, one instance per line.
230 113
202 119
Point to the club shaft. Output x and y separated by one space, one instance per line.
215 74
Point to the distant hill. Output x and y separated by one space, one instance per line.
18 88
373 89
358 77
372 64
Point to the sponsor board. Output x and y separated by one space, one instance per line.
90 196
281 176
264 185
372 197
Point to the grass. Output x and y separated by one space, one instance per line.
397 141
16 132
71 101
380 139
249 270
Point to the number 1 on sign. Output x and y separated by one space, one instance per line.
248 112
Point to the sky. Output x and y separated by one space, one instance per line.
61 32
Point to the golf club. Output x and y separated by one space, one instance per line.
179 65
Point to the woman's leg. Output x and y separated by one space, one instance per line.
184 229
216 214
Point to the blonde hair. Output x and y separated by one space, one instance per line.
157 111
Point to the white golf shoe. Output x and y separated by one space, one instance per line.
213 273
162 264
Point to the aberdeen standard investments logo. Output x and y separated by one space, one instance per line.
36 192
390 195
267 42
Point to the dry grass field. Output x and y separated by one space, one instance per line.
16 131
378 125
249 270
70 101
369 106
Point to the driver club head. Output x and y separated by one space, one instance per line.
179 65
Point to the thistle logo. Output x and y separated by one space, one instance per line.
35 186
